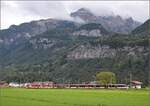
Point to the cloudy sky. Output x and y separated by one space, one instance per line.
16 12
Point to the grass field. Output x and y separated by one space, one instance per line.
73 97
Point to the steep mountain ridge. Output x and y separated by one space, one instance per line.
28 30
112 23
144 29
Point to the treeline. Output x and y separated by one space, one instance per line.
118 41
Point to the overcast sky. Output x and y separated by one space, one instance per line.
16 12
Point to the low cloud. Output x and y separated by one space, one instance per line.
16 12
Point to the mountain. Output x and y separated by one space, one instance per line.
28 30
144 29
91 30
17 41
111 23
68 52
84 14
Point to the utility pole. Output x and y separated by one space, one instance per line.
149 62
130 79
130 68
147 36
148 56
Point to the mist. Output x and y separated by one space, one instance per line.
16 12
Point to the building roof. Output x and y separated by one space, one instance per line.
2 82
136 82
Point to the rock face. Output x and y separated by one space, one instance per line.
91 30
43 43
112 23
105 51
92 33
85 52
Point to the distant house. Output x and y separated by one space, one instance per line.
3 84
40 85
93 82
14 84
136 84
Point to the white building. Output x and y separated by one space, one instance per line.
136 84
13 84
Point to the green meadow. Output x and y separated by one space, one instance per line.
73 97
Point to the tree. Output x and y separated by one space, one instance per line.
106 78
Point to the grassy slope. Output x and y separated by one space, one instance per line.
70 97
